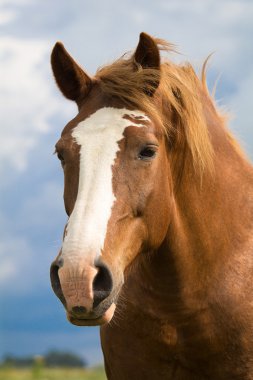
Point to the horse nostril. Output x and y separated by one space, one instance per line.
102 284
79 310
55 281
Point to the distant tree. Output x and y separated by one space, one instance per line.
63 359
13 361
52 358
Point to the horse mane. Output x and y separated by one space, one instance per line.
180 91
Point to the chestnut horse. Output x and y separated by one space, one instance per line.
158 247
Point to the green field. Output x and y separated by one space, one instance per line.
52 374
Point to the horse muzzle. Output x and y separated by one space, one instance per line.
85 290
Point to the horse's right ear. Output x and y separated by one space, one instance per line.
71 79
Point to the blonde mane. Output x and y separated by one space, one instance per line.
179 91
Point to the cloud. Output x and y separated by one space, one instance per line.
15 255
6 16
23 96
241 106
8 13
31 234
26 99
42 202
201 27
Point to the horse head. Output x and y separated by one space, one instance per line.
117 190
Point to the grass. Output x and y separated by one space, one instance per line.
52 374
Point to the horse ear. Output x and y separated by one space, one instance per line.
148 57
147 54
71 79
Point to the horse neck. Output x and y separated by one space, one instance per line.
212 215
210 227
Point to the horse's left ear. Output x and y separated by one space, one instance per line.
148 57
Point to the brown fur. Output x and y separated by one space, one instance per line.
180 233
177 88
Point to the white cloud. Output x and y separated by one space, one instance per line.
24 267
200 27
26 98
15 255
42 204
7 10
241 105
21 251
6 16
14 2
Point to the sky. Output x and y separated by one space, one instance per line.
33 113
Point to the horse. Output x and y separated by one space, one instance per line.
158 246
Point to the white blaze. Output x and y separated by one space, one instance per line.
98 137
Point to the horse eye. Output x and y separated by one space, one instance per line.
61 158
147 153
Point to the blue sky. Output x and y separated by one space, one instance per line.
33 114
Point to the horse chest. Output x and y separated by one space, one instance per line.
128 355
133 352
138 348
